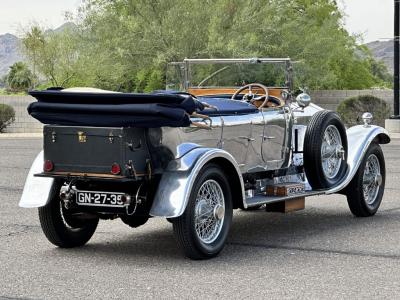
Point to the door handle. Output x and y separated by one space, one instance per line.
267 137
247 138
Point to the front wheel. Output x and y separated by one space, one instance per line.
203 228
61 227
365 192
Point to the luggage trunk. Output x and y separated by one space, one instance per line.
92 151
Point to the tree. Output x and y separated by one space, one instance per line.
119 43
19 78
53 54
33 43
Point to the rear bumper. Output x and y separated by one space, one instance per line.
86 176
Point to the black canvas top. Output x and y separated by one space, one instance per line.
126 109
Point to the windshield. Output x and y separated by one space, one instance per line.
226 74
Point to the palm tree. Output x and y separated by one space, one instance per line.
33 42
19 78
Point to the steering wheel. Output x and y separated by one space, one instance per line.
250 97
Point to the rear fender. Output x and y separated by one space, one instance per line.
37 190
177 181
359 138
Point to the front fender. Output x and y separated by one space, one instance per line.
359 139
37 190
177 181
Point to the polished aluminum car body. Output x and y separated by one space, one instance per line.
267 141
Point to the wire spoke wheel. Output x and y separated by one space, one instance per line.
209 211
331 152
372 179
201 231
365 192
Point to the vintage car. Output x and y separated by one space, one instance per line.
226 134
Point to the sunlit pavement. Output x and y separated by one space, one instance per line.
321 252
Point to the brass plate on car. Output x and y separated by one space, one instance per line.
285 189
81 137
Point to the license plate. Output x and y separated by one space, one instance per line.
99 199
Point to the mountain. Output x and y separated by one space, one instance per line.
10 48
383 51
9 52
65 26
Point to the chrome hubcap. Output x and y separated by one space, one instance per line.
209 211
372 179
219 212
332 152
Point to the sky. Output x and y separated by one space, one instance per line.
371 18
18 14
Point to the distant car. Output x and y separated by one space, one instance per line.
214 141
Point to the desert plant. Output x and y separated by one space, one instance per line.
352 109
7 116
19 78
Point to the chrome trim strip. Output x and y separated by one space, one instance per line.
263 199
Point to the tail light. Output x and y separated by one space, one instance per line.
115 169
48 166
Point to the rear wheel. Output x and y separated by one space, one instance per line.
365 192
325 150
203 228
61 227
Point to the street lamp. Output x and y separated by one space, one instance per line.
393 124
396 85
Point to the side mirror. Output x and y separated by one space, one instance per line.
303 100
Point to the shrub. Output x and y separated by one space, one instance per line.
352 109
20 78
7 116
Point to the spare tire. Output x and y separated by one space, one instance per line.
325 150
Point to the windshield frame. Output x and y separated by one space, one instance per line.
187 62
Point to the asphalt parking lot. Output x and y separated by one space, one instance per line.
322 252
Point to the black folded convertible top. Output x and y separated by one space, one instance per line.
59 96
113 109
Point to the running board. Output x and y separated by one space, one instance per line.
263 199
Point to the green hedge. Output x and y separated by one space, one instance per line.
352 109
7 116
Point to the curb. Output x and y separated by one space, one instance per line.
21 135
